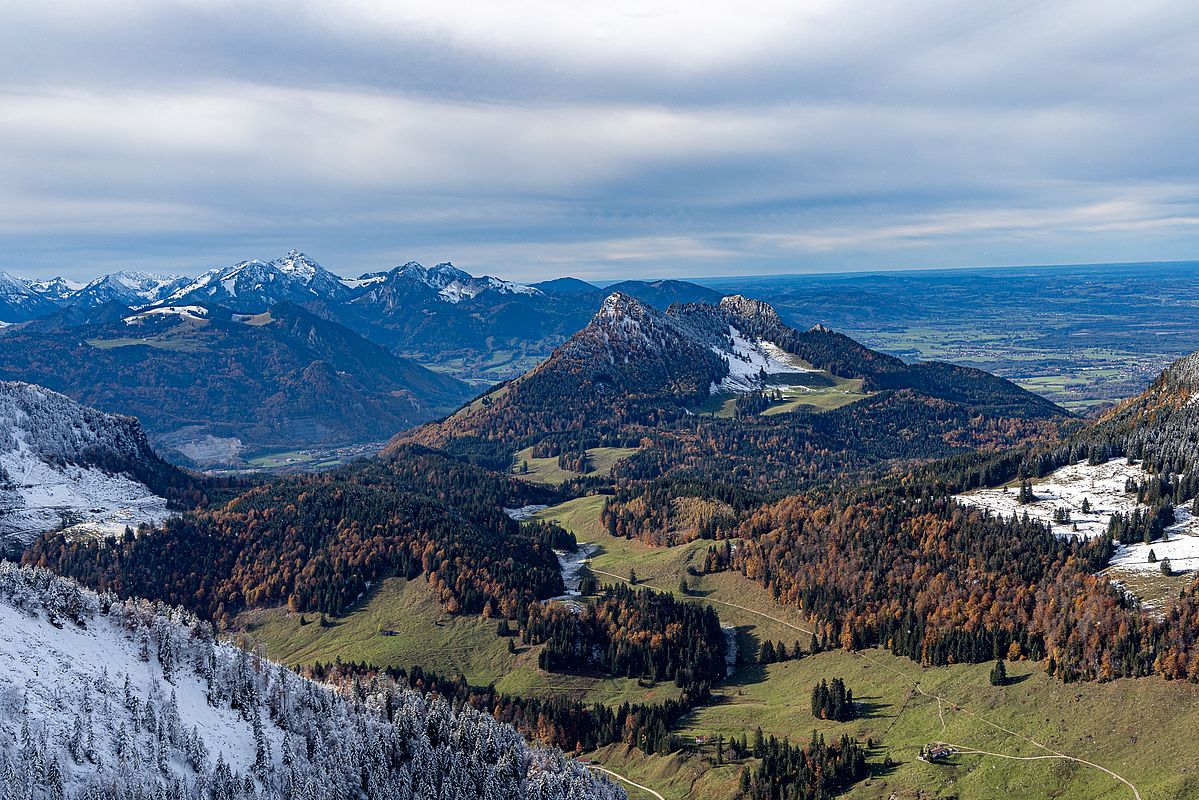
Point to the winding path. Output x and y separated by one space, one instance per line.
1052 754
620 777
963 750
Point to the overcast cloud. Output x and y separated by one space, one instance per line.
602 140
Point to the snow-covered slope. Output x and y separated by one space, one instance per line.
254 286
108 699
19 302
752 360
412 283
132 289
65 463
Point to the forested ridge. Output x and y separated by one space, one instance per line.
289 378
317 542
553 721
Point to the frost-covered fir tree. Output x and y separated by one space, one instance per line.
84 717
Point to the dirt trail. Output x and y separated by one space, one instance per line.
963 750
620 777
1052 754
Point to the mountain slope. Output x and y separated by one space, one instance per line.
252 287
846 358
61 462
630 365
285 378
128 700
129 289
634 368
19 302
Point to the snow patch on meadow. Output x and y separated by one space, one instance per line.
525 513
1102 485
193 313
749 359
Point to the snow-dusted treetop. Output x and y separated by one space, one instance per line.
53 426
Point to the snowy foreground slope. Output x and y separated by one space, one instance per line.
62 462
108 699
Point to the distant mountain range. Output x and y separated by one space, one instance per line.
478 328
210 384
282 354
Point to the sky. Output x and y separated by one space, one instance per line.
600 140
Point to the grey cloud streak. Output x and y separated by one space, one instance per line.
543 139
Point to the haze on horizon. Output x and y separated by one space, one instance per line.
544 139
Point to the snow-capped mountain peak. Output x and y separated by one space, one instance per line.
129 288
18 300
444 281
298 265
254 286
56 289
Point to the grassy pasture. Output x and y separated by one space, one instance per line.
546 470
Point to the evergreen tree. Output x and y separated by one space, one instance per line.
999 674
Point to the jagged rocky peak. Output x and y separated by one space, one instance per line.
627 314
446 273
819 328
298 264
749 308
624 326
619 305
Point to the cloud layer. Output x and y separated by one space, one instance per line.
602 139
